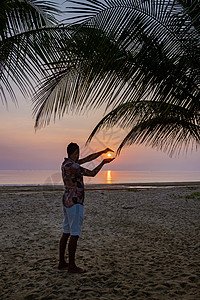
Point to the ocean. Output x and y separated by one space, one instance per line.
53 177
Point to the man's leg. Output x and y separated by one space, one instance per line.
72 251
62 247
75 216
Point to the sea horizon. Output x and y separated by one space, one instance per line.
53 177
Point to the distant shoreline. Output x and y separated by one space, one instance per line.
103 186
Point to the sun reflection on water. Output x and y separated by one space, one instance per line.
108 176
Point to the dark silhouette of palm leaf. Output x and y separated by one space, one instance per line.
166 127
119 52
170 135
27 43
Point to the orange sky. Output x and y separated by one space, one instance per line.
22 148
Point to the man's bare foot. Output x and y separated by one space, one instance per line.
76 270
63 265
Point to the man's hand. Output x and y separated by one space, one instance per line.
107 160
93 156
107 150
94 172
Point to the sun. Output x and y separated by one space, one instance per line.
109 154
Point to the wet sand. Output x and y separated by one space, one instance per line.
137 243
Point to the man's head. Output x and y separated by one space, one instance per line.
73 151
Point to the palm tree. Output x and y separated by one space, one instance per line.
28 30
141 58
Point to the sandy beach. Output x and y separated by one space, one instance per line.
137 243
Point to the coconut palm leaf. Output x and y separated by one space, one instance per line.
170 135
126 51
138 50
25 31
20 16
163 126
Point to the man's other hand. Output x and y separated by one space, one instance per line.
107 160
107 150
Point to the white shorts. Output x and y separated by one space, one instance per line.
73 219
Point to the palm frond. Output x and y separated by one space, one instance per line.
163 126
119 52
21 15
170 135
192 8
112 74
26 43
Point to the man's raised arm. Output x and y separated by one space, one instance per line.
93 156
96 170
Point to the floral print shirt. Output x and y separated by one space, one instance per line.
72 174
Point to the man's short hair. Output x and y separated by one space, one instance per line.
71 148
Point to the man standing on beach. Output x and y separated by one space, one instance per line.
73 200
